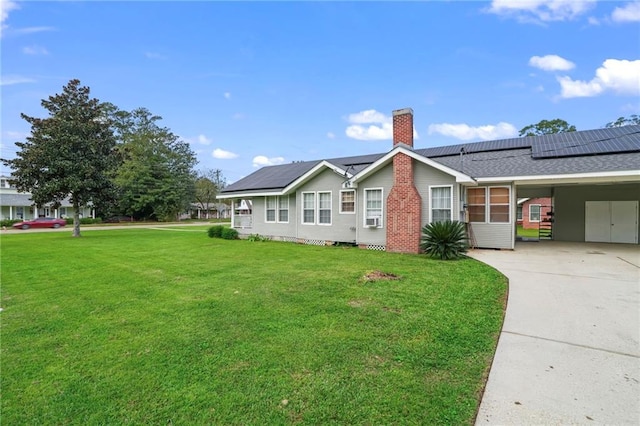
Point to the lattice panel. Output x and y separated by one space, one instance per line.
315 242
378 247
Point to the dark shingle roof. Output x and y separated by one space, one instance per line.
600 150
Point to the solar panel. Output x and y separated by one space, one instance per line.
589 142
498 145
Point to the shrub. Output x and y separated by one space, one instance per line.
444 240
9 222
229 234
215 231
258 237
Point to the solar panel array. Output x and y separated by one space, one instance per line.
591 142
499 145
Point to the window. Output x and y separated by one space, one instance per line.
272 202
348 201
373 205
499 205
476 201
519 212
441 202
534 213
308 207
63 211
283 209
324 208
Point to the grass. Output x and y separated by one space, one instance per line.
528 233
143 326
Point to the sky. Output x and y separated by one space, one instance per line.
251 84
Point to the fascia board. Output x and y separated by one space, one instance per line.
591 177
460 177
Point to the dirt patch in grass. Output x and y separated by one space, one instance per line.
380 276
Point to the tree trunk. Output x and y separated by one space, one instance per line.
76 219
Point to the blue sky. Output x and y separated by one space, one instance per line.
249 84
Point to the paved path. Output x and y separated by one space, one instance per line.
569 351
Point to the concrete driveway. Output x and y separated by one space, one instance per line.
569 351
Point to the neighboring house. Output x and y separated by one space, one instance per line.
533 211
208 211
381 201
18 205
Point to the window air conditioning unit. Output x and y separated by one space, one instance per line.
372 222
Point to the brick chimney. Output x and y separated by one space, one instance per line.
404 204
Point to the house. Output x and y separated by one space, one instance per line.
16 205
207 211
532 211
381 201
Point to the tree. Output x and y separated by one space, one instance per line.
67 154
208 185
155 176
547 127
624 121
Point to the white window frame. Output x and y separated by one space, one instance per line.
282 201
267 209
352 191
488 212
486 191
519 210
302 208
431 201
366 211
318 209
539 212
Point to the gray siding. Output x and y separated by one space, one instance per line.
496 235
382 179
274 230
342 226
569 205
424 177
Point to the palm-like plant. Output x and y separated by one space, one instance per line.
444 240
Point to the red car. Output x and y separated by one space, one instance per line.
41 222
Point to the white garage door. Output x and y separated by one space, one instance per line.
611 221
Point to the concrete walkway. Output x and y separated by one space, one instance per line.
569 351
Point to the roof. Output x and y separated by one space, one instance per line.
589 151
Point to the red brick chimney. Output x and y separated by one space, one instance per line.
404 204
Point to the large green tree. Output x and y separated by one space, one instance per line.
68 154
624 121
155 177
547 127
208 184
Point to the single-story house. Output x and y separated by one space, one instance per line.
533 211
207 211
16 205
381 201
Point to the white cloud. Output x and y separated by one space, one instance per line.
8 80
34 50
238 116
331 135
203 140
541 10
31 30
621 77
593 21
466 132
227 95
221 154
630 12
551 63
6 6
261 161
380 126
155 55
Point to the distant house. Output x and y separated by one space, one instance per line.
208 211
18 205
532 211
381 201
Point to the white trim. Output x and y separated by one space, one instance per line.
364 203
330 208
355 201
266 209
539 212
278 208
616 176
431 201
381 162
488 194
302 208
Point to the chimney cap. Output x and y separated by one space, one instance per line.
402 111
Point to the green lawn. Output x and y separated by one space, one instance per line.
143 326
529 233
